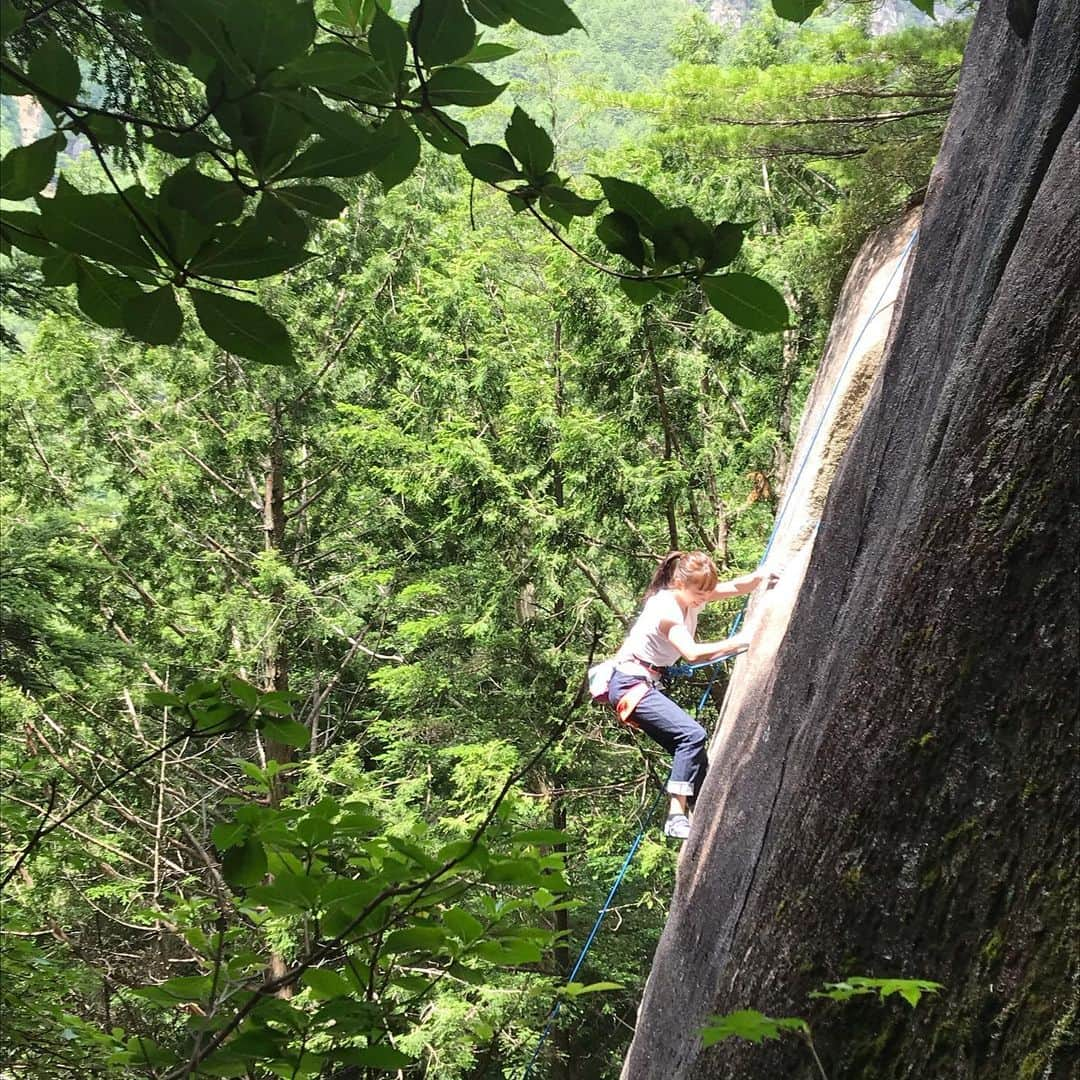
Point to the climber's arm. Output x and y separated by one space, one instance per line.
694 651
739 586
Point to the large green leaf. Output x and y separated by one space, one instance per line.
639 292
618 232
339 156
242 328
344 904
98 226
404 154
187 987
490 163
245 864
383 1058
465 926
227 834
256 1042
206 199
27 169
267 127
186 145
60 269
529 143
510 953
747 301
680 236
289 732
13 83
569 201
350 14
312 199
281 221
552 210
23 229
352 1015
543 16
462 86
102 296
198 24
245 253
389 49
107 130
515 872
287 893
325 985
751 1025
490 12
487 52
415 939
333 66
153 317
183 234
629 198
268 33
11 18
443 32
446 134
796 10
328 122
168 42
541 837
727 241
53 69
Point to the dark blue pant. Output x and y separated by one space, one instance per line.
674 729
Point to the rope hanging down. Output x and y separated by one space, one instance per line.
685 670
646 822
595 929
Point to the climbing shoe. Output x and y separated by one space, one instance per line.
678 826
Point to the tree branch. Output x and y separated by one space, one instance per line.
324 951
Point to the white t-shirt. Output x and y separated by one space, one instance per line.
646 641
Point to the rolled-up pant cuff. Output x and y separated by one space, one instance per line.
680 787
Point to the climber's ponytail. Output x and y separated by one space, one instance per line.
683 568
664 573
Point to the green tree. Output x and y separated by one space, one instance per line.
278 98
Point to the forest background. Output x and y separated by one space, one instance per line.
394 558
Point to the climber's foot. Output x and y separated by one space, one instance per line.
677 826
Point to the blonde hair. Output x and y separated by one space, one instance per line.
693 568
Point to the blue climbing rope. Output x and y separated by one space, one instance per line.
686 670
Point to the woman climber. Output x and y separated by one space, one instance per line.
683 583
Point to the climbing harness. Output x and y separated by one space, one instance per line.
600 679
676 671
625 706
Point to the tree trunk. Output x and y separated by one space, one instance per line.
276 656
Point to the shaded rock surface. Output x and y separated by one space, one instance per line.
894 783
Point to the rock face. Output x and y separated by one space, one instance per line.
731 13
894 791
